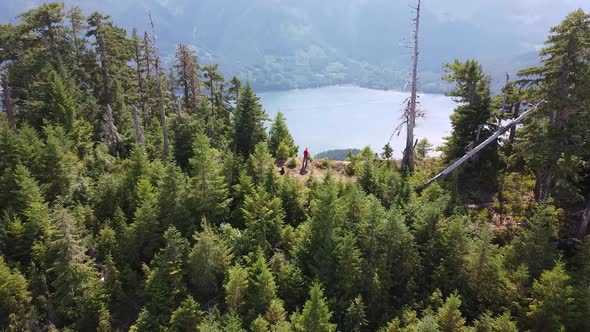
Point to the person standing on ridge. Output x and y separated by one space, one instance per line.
305 158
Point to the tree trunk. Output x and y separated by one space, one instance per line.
139 137
147 51
104 66
585 220
7 101
512 134
160 93
481 146
140 83
111 135
408 159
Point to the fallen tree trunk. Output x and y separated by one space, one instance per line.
480 147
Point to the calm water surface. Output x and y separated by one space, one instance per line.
341 117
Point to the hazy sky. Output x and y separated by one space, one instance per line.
527 22
535 15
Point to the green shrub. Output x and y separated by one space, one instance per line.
292 163
350 169
324 164
284 151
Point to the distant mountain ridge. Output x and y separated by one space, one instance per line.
283 44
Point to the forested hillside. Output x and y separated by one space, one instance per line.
285 44
136 196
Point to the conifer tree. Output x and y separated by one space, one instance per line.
423 147
261 289
531 247
213 82
261 164
235 288
316 316
485 266
316 252
14 296
449 316
145 322
448 255
472 89
563 82
552 299
165 285
260 325
33 212
61 106
263 216
7 102
57 171
248 126
187 68
355 315
209 191
75 289
145 233
208 263
234 89
113 53
276 314
174 201
502 323
38 43
348 267
280 141
186 317
293 197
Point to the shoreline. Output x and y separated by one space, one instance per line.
348 85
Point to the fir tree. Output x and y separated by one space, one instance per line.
263 216
74 283
14 296
208 263
261 288
563 82
209 193
472 121
235 288
186 317
165 285
248 126
316 315
552 298
355 315
280 141
187 68
449 316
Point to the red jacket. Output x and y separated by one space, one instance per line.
305 154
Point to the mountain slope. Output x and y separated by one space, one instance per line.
279 44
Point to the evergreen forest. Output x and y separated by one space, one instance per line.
138 194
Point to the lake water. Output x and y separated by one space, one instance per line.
340 117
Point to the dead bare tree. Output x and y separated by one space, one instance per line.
408 159
160 93
110 135
7 102
139 136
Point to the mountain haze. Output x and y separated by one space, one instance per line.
281 44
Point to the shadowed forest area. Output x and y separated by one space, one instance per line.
140 197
